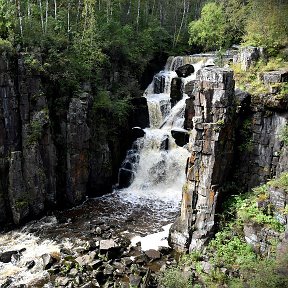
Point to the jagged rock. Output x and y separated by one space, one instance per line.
127 261
185 70
159 84
86 259
106 245
181 136
48 261
108 269
78 136
96 263
153 254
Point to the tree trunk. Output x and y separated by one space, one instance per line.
41 15
55 9
138 15
46 15
19 17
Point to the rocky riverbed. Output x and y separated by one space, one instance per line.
93 245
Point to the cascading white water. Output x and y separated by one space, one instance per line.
159 174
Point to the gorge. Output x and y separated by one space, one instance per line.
233 138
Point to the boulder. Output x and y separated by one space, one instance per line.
153 254
176 91
137 132
135 280
185 70
106 245
7 256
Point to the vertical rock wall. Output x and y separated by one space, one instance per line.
211 143
52 152
235 141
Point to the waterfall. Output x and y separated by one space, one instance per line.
158 174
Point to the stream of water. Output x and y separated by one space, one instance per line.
142 212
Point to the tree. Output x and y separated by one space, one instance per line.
267 25
209 30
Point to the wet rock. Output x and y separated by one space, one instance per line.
30 264
39 280
153 254
98 231
185 70
90 245
7 256
176 91
7 283
137 132
181 136
48 261
125 178
135 280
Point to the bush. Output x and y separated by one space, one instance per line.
175 278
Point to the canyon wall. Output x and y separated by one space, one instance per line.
235 143
51 155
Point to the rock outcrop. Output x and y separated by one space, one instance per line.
236 141
212 153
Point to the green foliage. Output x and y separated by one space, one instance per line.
280 182
6 19
175 278
284 134
35 132
230 250
117 110
5 46
267 24
209 30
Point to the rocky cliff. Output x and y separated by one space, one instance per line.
51 155
235 143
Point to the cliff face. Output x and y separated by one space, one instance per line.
49 158
236 145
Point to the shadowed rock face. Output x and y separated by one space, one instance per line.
51 156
